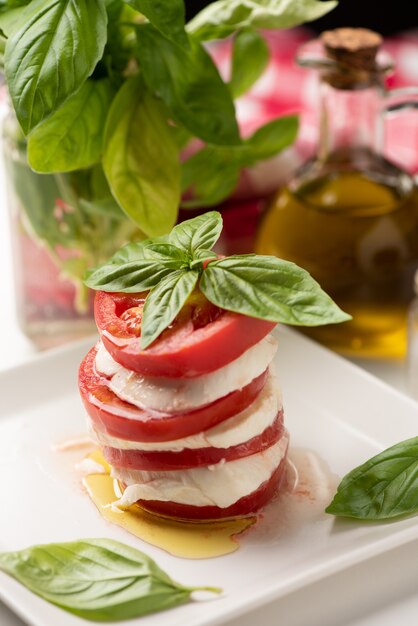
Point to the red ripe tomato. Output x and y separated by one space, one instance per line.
126 421
188 458
201 339
245 506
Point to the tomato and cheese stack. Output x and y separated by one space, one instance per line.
193 425
180 390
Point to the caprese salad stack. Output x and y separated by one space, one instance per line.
180 389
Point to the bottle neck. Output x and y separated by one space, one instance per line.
348 122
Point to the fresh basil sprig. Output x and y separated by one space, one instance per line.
263 287
73 69
383 488
97 579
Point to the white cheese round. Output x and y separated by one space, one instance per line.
174 395
219 485
237 429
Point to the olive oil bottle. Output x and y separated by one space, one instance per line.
349 216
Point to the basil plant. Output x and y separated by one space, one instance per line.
109 93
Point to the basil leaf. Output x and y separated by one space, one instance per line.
164 302
133 276
165 250
269 139
141 160
199 232
97 579
269 288
250 55
383 488
166 15
212 173
72 137
189 84
49 57
37 196
11 19
107 207
221 19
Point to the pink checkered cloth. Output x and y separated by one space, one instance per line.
286 88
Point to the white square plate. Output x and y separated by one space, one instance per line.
332 407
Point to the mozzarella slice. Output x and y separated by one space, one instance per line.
219 485
174 395
233 431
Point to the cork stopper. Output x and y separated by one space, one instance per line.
354 50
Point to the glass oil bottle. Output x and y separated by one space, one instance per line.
350 216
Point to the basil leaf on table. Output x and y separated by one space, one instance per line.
385 487
51 55
166 15
199 232
164 302
269 288
221 19
250 55
141 159
72 137
97 579
189 84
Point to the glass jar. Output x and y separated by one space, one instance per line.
61 224
350 216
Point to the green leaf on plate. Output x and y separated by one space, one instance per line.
96 579
141 159
250 55
269 288
166 15
383 488
164 302
51 55
198 233
189 84
221 19
72 137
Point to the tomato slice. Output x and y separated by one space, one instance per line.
126 421
188 458
247 505
201 339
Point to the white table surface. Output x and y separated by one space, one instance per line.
380 592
